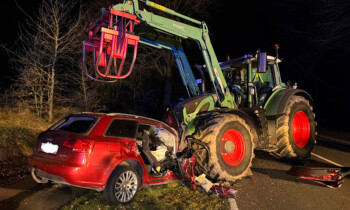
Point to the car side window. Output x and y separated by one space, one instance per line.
122 128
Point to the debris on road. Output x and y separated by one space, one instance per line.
187 168
221 189
204 182
330 177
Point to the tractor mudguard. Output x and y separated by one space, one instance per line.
242 113
190 104
278 101
188 110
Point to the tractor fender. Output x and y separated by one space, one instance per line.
242 113
289 94
278 101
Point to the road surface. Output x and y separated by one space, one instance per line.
269 188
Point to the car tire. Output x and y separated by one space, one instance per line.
230 142
296 129
122 185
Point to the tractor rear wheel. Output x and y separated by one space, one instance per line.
230 142
296 129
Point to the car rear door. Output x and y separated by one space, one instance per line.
65 140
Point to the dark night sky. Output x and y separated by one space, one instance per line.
245 26
11 17
302 29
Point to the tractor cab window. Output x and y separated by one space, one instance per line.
263 80
236 76
263 83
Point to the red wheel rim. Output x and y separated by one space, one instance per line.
301 129
232 147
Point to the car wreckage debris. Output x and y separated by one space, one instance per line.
187 169
330 177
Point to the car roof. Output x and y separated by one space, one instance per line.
125 116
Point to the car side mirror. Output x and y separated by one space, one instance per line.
261 62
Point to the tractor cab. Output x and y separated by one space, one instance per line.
245 78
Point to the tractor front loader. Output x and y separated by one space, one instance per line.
222 125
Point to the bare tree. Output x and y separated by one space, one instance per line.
46 47
30 88
82 92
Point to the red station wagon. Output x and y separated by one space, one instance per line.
117 153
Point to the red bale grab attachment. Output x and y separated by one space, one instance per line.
109 38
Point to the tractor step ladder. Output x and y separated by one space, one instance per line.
109 38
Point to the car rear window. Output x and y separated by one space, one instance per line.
122 128
75 124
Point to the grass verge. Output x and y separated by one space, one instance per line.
18 133
171 196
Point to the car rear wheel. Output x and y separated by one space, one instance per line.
122 185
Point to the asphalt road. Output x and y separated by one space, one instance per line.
28 195
270 187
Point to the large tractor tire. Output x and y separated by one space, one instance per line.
296 129
230 143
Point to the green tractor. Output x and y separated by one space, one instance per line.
286 123
270 116
247 106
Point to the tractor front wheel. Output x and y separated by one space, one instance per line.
230 142
296 129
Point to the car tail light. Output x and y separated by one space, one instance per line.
69 143
80 145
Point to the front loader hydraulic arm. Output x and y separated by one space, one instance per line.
184 31
172 32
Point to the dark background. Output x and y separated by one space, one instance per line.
314 39
11 18
314 44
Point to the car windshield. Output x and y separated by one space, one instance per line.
75 124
